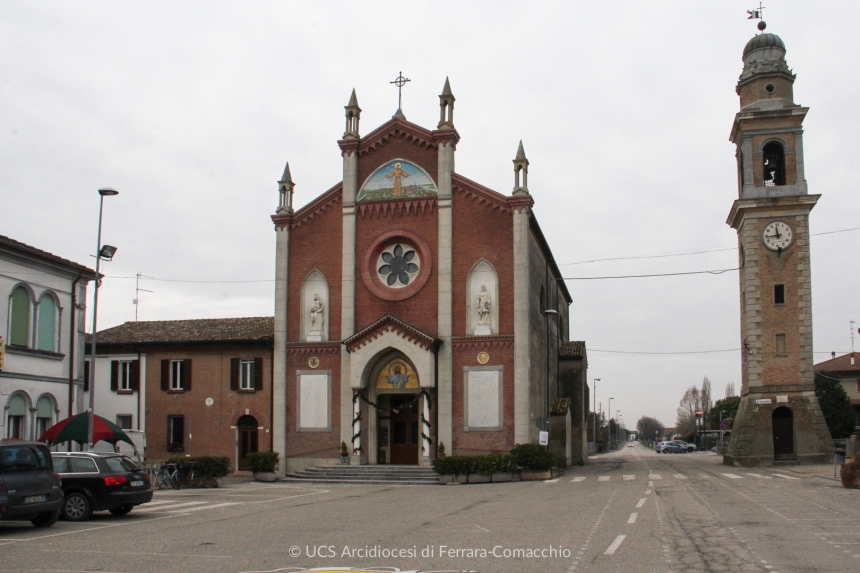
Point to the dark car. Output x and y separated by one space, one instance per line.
29 488
100 481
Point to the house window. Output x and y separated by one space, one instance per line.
16 416
176 375
175 433
780 345
44 415
779 294
125 376
19 325
246 374
123 421
15 427
47 318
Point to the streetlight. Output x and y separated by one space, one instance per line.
546 314
594 415
105 252
608 435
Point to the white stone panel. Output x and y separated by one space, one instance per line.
483 397
313 402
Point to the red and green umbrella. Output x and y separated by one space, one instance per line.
75 429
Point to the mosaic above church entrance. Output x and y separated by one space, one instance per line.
397 179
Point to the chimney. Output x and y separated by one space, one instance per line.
832 355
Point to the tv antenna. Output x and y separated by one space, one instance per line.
852 337
137 291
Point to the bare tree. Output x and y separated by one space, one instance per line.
705 400
730 390
686 422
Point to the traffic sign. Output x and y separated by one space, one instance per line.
542 424
724 425
699 413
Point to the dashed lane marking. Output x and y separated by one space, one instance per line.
603 478
680 476
647 491
641 502
551 480
785 477
615 545
655 476
630 478
757 476
633 517
216 506
172 507
733 476
577 479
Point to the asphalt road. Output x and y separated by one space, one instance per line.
630 511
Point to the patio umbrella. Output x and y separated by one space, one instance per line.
75 429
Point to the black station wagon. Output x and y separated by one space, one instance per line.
99 481
29 488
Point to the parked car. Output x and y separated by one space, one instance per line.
671 447
29 488
687 446
100 481
629 444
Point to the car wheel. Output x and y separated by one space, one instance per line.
46 519
77 507
122 510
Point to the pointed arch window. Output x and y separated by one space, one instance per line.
774 164
19 325
47 320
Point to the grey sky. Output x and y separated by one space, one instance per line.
190 110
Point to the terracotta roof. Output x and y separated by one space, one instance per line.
198 330
11 244
572 349
840 363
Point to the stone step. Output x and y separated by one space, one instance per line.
383 474
395 476
367 472
347 481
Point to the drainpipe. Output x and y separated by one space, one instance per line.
72 328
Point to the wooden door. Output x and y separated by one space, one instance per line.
783 432
247 444
405 435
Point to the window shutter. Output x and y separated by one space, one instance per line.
135 375
19 326
186 374
114 375
258 374
234 374
86 376
47 309
165 375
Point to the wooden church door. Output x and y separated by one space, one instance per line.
405 435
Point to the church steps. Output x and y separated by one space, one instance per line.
367 475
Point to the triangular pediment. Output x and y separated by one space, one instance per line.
396 128
394 325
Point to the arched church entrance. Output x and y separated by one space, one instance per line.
783 432
394 387
246 427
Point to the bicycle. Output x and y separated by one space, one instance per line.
168 476
179 475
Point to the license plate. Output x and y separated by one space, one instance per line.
137 483
35 499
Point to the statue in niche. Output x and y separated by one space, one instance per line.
483 304
317 311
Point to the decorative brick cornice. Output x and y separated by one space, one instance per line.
282 220
501 342
482 195
307 348
521 203
348 146
370 209
446 136
390 324
397 128
323 203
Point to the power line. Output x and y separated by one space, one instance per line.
211 281
713 272
665 353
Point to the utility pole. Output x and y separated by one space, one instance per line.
137 291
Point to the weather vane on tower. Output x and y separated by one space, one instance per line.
400 81
758 15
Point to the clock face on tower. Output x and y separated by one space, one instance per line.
777 236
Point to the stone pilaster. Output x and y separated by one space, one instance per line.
349 150
522 299
279 352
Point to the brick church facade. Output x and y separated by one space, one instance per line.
414 307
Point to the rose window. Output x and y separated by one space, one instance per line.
398 265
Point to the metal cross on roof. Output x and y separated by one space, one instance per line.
400 81
758 15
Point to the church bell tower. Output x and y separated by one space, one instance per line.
779 419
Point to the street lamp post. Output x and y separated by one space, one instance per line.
102 252
594 415
608 434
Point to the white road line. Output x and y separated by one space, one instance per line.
633 517
629 478
217 505
650 484
162 502
785 477
733 476
603 478
641 502
551 480
647 491
655 476
680 476
577 479
757 476
170 507
615 545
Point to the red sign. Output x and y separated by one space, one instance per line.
699 413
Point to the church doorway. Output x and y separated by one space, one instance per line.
783 432
246 427
405 435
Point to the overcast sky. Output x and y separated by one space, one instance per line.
191 109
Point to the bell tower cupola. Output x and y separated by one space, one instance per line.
285 188
446 105
521 172
353 114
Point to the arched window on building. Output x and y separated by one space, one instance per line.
16 417
44 415
19 324
47 335
774 164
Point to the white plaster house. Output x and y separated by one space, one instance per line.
120 397
42 327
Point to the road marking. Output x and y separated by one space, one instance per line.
757 476
655 476
680 476
733 476
633 517
551 480
785 477
577 479
170 507
647 491
629 478
650 484
641 502
615 545
162 502
603 478
217 505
